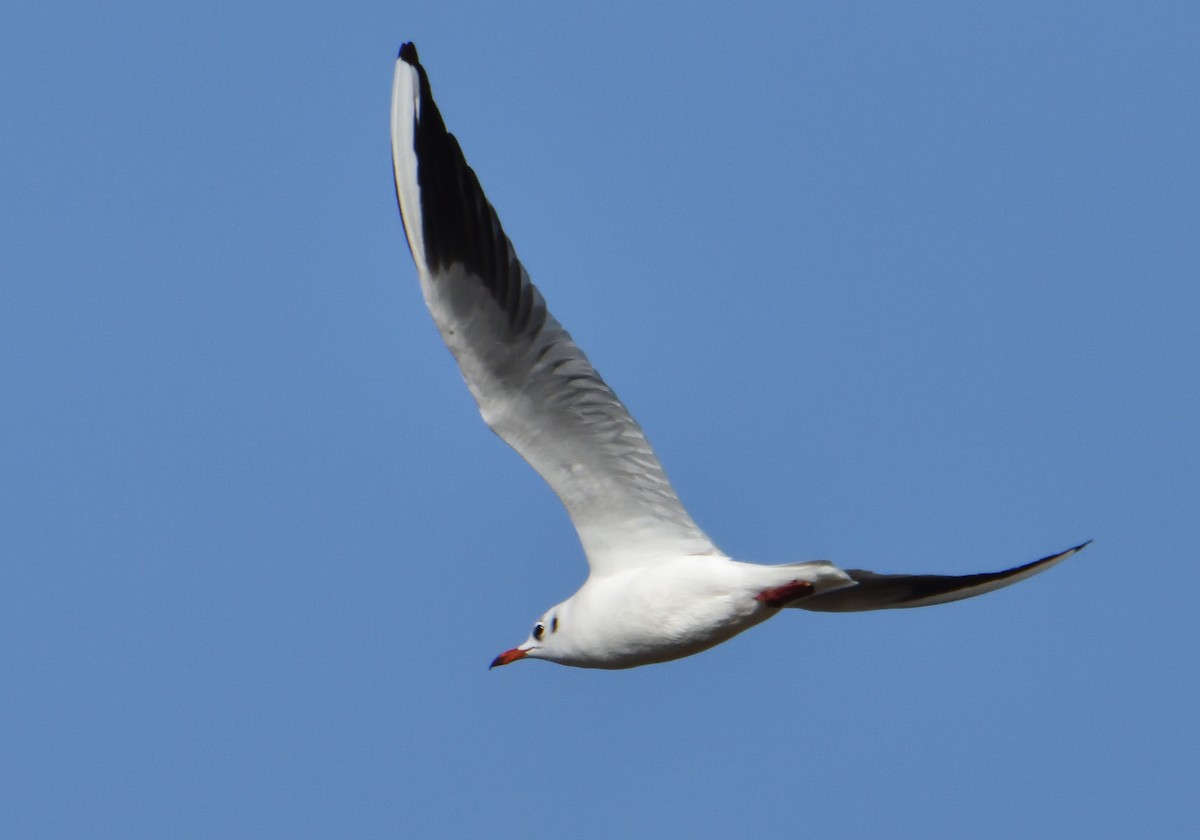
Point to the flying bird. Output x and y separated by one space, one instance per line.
658 588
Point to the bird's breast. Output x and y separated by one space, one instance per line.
661 613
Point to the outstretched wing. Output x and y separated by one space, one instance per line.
535 387
882 592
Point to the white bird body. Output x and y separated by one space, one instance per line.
667 609
659 589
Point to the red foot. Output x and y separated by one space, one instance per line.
779 596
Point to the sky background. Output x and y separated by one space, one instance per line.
907 286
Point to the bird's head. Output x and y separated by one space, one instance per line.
543 641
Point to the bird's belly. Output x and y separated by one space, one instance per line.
659 631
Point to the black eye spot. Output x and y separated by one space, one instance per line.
538 630
554 624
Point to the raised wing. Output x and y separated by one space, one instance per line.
535 388
883 592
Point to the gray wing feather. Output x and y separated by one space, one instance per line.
535 388
883 592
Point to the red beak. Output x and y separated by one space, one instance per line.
506 657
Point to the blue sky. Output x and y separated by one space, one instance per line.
911 287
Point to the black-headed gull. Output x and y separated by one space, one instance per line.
658 588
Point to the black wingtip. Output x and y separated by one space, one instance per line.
1079 547
408 53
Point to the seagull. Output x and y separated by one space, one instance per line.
658 588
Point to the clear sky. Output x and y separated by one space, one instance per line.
907 286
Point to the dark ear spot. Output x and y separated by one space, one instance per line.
554 624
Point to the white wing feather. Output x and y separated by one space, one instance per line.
535 388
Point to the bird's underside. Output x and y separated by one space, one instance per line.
537 390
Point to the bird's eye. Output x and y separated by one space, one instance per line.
538 630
